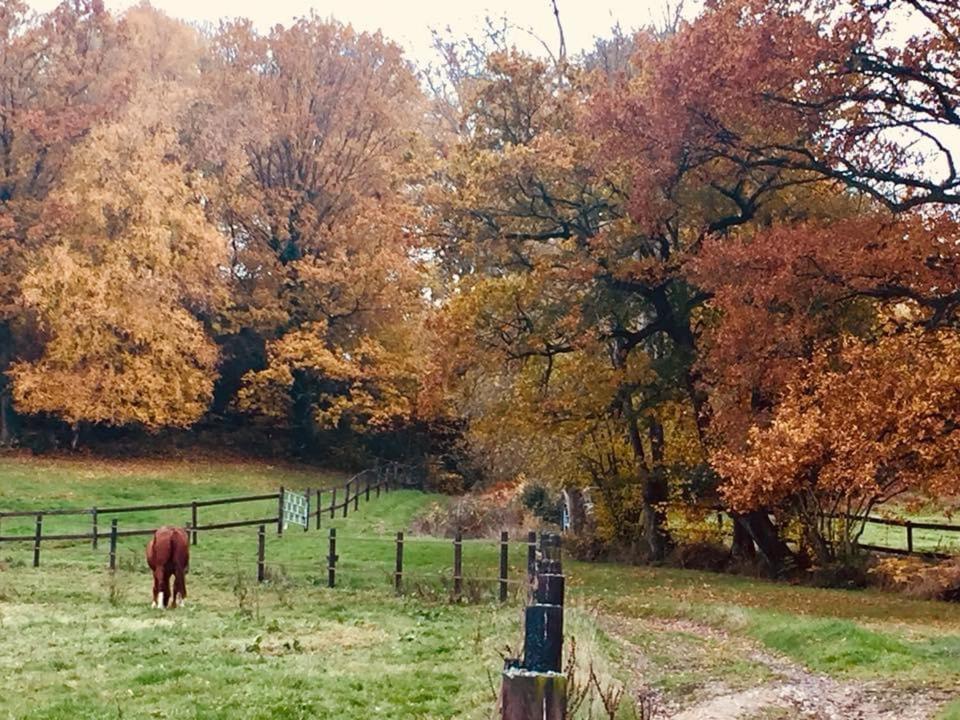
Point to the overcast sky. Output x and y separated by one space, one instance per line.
409 23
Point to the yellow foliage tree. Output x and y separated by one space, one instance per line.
120 293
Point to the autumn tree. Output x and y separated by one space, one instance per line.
53 90
314 154
130 272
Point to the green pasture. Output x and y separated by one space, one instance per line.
77 641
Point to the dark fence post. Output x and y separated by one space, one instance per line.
36 541
333 502
504 547
398 573
113 544
366 493
346 499
356 497
457 565
319 507
909 536
280 512
531 561
535 688
93 513
193 521
332 559
306 524
261 553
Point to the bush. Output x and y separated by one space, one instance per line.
918 578
709 556
542 503
473 516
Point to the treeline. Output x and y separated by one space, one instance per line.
710 262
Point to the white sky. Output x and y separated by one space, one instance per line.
409 23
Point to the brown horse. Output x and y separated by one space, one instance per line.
168 553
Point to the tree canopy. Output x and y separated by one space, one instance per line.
710 263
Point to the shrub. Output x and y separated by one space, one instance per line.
473 516
917 578
709 556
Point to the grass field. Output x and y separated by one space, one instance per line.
79 642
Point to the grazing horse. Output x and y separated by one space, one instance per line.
168 553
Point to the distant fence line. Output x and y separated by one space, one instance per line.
363 485
908 525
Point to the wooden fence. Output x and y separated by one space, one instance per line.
909 526
364 485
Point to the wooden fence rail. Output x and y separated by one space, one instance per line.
385 478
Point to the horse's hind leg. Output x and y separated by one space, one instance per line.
180 588
165 592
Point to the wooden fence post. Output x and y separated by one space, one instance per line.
36 541
504 547
366 492
457 566
93 522
306 524
535 688
280 512
113 544
356 497
332 559
398 573
909 536
346 499
193 521
333 502
531 561
261 553
319 507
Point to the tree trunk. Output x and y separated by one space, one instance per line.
655 494
773 550
8 418
743 547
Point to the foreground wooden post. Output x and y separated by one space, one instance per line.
457 566
261 551
535 688
527 695
398 573
909 536
113 544
36 541
332 559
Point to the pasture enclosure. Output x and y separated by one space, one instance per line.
286 506
80 642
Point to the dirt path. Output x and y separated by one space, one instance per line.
787 690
